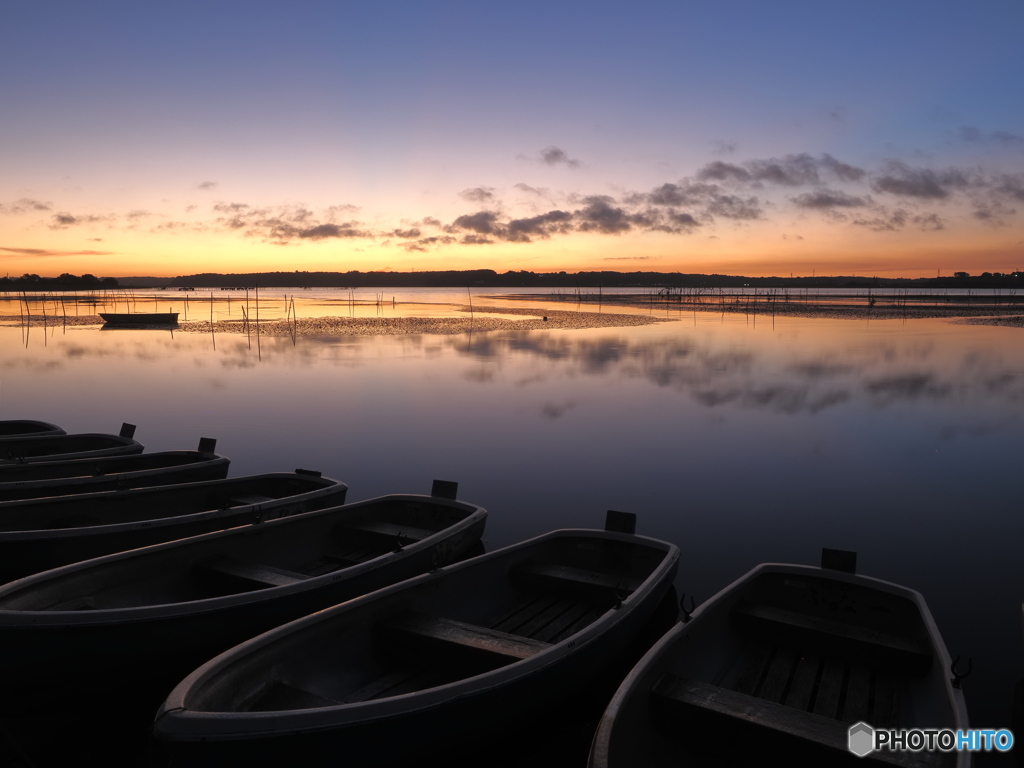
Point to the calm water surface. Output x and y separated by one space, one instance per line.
741 439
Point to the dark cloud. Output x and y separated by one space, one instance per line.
898 218
994 213
898 178
721 171
423 244
842 171
601 216
826 199
733 207
25 205
1000 139
557 156
724 147
540 192
478 194
476 240
481 222
405 233
1010 185
65 220
544 225
788 171
206 185
285 224
43 252
138 214
626 258
324 231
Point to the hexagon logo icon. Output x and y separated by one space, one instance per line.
861 739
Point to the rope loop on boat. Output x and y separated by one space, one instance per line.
687 612
958 676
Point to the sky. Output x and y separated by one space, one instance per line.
737 137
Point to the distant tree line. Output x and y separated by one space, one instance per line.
64 282
488 278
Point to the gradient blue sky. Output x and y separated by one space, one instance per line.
741 137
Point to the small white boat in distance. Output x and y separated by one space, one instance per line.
784 662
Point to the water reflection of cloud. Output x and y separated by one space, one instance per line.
908 386
788 379
556 410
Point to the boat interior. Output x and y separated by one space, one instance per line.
272 554
805 657
444 630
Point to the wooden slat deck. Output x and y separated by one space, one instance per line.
678 695
532 623
829 686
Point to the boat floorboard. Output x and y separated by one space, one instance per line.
829 686
676 699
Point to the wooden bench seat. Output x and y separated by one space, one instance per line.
440 633
557 578
251 575
906 652
680 696
390 530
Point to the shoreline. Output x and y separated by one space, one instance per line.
558 319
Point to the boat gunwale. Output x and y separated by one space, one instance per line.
42 534
203 459
113 616
175 722
51 430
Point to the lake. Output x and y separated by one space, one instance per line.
743 440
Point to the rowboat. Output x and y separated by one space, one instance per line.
27 449
419 667
112 620
789 660
140 318
39 534
23 427
60 478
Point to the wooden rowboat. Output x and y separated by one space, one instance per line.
39 534
417 668
109 621
139 318
23 427
60 478
28 449
786 660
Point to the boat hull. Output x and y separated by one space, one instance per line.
87 627
62 478
23 450
424 722
139 318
